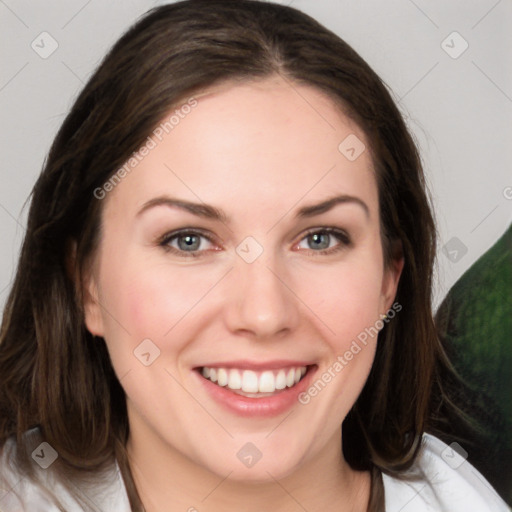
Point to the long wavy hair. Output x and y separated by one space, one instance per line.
55 376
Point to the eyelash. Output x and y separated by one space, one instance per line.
341 235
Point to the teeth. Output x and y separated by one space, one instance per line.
222 377
235 381
290 378
267 382
249 381
281 379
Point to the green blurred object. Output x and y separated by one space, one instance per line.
474 323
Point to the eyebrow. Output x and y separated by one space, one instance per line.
210 212
328 204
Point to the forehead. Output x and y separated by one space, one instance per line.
268 144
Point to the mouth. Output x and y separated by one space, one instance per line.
256 391
255 384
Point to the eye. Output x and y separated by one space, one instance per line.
185 242
325 240
192 242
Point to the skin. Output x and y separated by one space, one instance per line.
259 151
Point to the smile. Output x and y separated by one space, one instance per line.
255 389
254 383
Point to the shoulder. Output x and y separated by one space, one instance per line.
18 492
446 482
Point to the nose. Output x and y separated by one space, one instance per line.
260 301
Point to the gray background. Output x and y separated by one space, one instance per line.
458 105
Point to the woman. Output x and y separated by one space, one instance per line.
223 300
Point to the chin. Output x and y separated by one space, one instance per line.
255 467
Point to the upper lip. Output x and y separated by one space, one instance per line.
257 365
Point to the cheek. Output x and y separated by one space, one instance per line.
347 298
147 300
158 298
351 308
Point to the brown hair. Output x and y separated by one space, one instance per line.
55 376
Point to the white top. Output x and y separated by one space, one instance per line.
450 484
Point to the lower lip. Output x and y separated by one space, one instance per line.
261 407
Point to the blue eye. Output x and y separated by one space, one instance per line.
188 242
323 241
185 243
193 243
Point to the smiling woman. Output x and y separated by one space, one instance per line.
242 320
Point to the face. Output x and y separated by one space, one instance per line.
244 247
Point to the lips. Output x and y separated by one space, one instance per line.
255 389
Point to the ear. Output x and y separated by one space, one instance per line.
86 284
92 309
391 277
